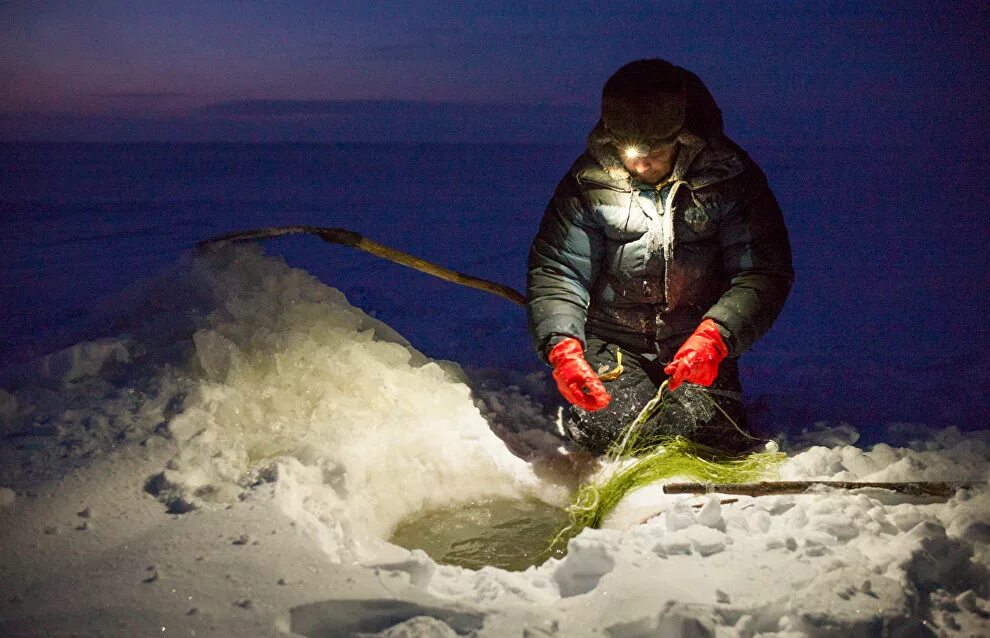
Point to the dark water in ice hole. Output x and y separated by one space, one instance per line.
506 533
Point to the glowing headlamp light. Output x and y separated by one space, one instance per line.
632 152
636 148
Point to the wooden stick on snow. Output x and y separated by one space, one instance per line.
766 488
354 240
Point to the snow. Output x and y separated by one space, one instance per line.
233 460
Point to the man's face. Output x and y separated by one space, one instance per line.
653 165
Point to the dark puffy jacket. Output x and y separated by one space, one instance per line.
635 263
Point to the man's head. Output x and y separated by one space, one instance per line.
643 110
645 102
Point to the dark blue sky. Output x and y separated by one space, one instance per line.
803 72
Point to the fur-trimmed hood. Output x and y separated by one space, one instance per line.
699 162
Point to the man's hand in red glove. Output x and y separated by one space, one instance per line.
698 358
575 379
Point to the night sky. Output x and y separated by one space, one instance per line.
831 73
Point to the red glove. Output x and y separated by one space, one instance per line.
698 358
575 379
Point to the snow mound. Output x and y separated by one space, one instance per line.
352 425
258 374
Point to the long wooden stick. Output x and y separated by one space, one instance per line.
354 240
766 488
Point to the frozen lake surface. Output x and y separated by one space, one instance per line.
889 248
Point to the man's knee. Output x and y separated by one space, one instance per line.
630 389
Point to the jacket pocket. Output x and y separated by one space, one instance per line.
698 221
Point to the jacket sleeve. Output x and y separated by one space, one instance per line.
564 262
756 257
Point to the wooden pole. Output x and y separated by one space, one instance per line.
354 240
766 488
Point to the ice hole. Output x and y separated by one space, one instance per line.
511 534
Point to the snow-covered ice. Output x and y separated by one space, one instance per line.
229 456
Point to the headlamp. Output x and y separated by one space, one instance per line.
632 152
636 148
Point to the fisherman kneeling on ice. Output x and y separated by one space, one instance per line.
664 247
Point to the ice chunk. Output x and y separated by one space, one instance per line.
83 359
675 619
838 526
711 514
937 559
679 517
583 567
418 566
677 543
905 517
829 605
215 353
857 462
707 541
760 519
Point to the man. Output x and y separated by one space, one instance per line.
662 245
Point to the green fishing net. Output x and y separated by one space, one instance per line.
632 464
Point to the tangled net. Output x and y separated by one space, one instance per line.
632 464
